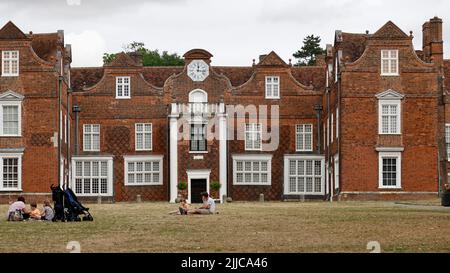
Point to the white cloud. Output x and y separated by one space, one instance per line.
87 48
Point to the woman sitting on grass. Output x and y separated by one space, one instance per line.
17 211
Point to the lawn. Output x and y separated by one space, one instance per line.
241 227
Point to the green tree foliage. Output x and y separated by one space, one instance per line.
307 54
149 57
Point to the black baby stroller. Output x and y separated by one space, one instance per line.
67 206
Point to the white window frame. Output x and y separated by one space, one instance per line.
110 177
61 131
144 158
252 158
332 127
91 149
122 84
303 133
18 104
10 60
19 171
390 59
287 175
397 103
273 87
337 123
336 172
68 131
447 140
328 132
143 136
253 130
336 69
398 156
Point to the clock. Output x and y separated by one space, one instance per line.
198 70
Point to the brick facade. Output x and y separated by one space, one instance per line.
343 162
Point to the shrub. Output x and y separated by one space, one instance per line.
215 185
182 185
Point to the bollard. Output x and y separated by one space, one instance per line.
99 200
302 198
138 198
224 198
261 197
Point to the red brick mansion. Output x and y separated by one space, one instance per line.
369 122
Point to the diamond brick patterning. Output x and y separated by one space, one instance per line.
118 140
41 139
355 140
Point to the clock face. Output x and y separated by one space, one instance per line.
198 70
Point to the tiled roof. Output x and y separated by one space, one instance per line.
157 75
85 77
353 45
307 75
45 45
88 76
236 75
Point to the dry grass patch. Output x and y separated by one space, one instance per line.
240 227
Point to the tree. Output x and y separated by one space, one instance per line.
310 50
149 57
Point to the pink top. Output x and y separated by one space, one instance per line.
18 205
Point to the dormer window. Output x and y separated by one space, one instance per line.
10 63
272 87
389 63
123 90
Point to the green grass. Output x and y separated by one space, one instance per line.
240 227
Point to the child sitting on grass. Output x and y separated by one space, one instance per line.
35 213
48 213
182 209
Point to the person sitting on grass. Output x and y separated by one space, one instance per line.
183 209
208 207
48 213
17 211
35 213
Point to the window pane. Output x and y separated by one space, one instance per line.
11 120
308 174
252 171
389 171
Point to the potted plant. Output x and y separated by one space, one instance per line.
445 199
215 187
182 185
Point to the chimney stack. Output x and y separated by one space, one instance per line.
433 45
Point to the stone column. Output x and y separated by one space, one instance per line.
173 166
222 151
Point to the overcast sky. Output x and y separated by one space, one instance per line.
234 31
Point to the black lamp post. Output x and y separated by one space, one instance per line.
76 110
318 108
